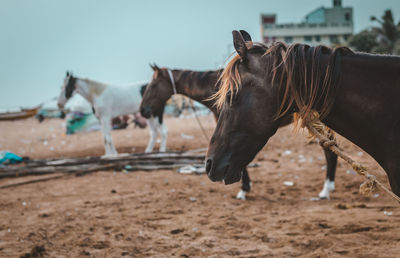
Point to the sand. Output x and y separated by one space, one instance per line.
164 214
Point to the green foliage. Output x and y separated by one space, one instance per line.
364 41
384 39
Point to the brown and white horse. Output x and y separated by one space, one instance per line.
108 101
201 86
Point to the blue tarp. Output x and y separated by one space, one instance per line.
7 157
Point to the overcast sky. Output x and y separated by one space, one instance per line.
115 40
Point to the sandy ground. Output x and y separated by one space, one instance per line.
164 214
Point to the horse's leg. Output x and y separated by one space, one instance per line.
108 144
329 185
246 185
153 134
164 135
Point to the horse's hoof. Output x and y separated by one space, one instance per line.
329 186
323 197
108 155
241 195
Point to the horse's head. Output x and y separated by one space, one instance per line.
157 92
67 89
248 107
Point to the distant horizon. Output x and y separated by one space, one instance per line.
115 41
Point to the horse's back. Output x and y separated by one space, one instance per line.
121 100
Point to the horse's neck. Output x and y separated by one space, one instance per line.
89 89
198 86
367 105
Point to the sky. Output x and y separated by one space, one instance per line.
116 40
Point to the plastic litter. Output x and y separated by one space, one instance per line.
7 157
185 136
192 169
288 183
286 152
351 172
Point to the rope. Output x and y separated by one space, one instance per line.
199 122
320 130
173 97
171 77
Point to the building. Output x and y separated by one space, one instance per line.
326 26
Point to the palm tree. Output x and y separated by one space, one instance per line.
388 35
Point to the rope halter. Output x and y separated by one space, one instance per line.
171 77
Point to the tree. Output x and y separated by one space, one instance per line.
384 39
364 41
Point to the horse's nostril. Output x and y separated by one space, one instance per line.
208 165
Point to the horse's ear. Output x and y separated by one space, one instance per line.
246 36
239 44
67 74
154 67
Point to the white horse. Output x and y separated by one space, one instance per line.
109 101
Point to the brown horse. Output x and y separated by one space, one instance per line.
357 95
200 86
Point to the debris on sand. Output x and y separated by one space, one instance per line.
345 206
288 183
37 251
192 169
186 136
176 231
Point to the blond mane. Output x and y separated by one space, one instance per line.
228 81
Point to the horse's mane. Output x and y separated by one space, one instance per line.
298 72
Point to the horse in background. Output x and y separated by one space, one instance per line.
157 126
201 86
107 101
356 94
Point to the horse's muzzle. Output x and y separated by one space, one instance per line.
145 112
222 171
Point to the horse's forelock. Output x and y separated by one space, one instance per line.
229 81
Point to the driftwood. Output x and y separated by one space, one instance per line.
122 162
32 181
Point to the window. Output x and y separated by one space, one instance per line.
288 39
347 16
307 38
334 39
346 37
318 38
337 3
